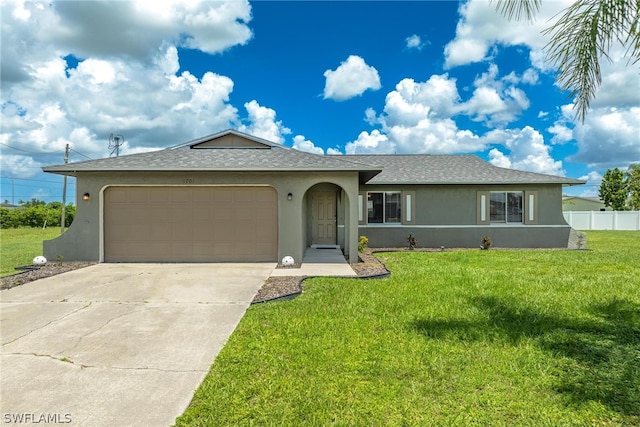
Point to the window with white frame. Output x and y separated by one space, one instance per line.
384 207
506 206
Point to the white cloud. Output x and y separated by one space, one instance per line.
125 80
499 159
414 42
371 143
302 144
417 119
592 185
610 134
41 30
103 96
481 27
413 101
530 76
352 78
370 116
620 79
19 166
496 100
609 137
264 124
526 151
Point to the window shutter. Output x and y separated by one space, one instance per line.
483 216
408 207
362 208
530 207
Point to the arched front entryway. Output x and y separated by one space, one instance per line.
325 212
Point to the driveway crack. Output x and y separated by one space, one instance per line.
79 340
49 323
116 368
49 356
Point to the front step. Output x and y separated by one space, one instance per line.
325 246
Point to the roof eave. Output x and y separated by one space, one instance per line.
476 183
197 141
69 171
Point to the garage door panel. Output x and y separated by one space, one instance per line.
181 195
190 224
201 195
157 194
201 213
202 249
182 231
158 233
223 195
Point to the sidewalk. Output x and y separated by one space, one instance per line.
319 261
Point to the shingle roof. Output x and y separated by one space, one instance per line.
396 169
450 169
228 132
219 159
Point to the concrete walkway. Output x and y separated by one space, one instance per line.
319 261
117 344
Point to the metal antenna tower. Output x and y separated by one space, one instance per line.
115 141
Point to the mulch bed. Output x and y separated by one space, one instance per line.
278 288
18 279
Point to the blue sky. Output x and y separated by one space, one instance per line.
437 77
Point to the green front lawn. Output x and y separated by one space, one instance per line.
19 246
499 337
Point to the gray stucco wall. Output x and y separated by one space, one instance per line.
83 241
446 215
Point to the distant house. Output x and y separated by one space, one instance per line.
574 203
236 197
8 205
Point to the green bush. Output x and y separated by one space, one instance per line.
35 214
362 243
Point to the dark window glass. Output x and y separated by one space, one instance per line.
506 206
375 208
392 208
514 207
497 207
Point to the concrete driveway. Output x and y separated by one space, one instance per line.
118 344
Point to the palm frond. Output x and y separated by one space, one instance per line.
517 9
582 36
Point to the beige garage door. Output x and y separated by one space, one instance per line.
190 224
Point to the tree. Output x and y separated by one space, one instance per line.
32 203
583 35
613 191
621 190
633 186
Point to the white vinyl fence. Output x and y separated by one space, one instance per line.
609 220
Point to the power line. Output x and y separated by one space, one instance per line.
43 152
29 179
26 151
83 155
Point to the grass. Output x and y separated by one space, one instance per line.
18 246
474 337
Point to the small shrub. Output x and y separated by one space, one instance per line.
413 242
486 243
362 243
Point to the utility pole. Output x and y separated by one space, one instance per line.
64 191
